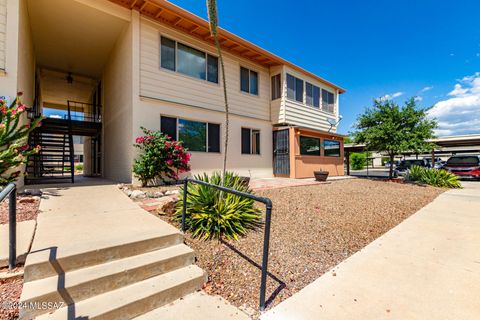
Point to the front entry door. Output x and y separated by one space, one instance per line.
281 155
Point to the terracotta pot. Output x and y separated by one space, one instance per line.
321 175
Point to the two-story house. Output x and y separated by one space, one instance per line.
102 69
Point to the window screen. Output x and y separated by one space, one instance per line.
168 126
290 87
331 148
167 54
213 137
246 146
276 87
212 69
244 79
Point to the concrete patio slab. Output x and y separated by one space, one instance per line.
25 231
428 267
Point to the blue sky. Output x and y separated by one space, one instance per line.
425 48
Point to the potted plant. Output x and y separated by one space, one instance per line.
320 175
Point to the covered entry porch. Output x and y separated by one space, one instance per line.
69 47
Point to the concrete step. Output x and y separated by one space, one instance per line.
136 299
48 263
197 305
85 283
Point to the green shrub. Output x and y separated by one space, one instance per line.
160 157
213 214
79 167
433 177
358 161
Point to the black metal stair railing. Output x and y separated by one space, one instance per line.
10 190
266 238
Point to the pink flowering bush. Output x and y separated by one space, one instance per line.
160 158
14 149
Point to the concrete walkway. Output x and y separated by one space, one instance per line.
428 267
98 252
25 231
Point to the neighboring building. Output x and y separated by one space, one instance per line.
133 63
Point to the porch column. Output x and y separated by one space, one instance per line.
347 155
87 157
433 157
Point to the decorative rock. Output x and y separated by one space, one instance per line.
128 192
120 186
33 192
137 194
172 192
166 205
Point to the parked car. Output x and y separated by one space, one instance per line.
405 165
438 162
464 166
395 164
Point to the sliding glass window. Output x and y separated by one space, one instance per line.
184 59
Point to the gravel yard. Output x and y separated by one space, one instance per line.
313 229
27 209
10 290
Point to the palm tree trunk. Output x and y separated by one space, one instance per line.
213 20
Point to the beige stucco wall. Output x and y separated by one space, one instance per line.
26 57
118 109
148 113
8 75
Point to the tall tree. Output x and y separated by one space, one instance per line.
387 127
213 20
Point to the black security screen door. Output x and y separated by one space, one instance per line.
281 157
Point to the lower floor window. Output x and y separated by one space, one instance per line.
250 141
195 135
309 146
331 148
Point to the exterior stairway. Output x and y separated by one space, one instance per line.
97 255
54 162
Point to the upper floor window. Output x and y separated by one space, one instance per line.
195 135
331 148
312 95
294 88
309 146
328 101
276 87
181 58
250 141
248 81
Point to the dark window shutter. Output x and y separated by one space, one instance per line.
213 137
246 147
168 126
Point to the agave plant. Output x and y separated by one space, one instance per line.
434 177
211 215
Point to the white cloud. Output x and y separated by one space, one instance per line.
418 98
426 89
55 116
392 96
460 113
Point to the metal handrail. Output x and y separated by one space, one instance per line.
266 237
11 191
